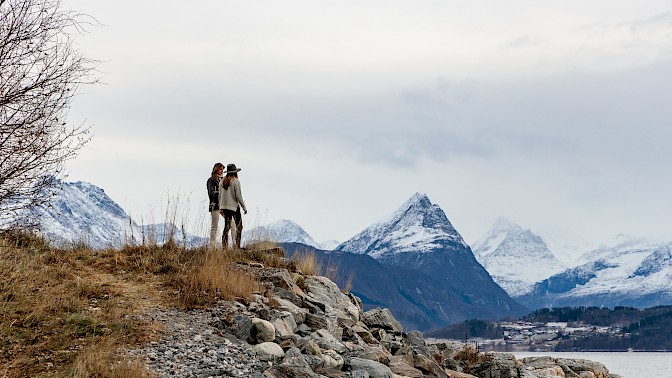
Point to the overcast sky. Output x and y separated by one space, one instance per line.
551 114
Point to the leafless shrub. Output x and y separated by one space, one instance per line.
41 71
469 356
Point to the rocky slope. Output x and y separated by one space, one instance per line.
304 326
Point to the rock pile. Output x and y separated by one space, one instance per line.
304 326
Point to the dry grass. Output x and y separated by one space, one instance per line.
308 263
105 361
468 356
67 312
210 275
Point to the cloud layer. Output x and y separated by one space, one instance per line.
548 114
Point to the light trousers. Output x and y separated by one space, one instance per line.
214 227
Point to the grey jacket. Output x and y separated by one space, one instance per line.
230 198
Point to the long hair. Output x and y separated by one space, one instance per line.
215 169
227 180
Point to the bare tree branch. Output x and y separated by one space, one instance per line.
41 72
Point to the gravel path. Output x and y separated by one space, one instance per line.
191 347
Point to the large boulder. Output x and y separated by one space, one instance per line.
375 369
337 306
457 374
502 366
294 357
290 371
332 360
327 341
281 304
284 324
374 353
268 350
428 367
415 340
545 372
262 330
239 326
382 318
399 366
580 366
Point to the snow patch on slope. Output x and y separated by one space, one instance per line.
515 258
418 226
281 231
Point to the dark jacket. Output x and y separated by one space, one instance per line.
213 193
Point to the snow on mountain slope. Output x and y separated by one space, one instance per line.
655 262
419 236
613 272
515 258
281 231
619 243
417 226
624 275
494 237
329 245
82 212
567 245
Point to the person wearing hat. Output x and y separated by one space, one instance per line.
230 203
213 197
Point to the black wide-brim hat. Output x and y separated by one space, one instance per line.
231 168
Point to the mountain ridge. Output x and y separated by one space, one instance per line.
419 236
507 251
83 213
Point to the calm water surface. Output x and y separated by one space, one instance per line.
627 365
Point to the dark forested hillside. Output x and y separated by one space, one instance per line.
622 316
649 330
468 329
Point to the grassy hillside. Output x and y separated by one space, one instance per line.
73 312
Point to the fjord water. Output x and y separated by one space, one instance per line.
625 364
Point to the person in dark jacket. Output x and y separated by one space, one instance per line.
213 200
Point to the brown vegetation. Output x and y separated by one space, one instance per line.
69 312
469 356
308 263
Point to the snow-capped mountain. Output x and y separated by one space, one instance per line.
566 244
494 237
286 231
417 226
329 245
83 213
619 243
515 258
624 275
419 236
281 231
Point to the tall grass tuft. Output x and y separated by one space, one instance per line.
309 263
209 275
104 360
469 356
